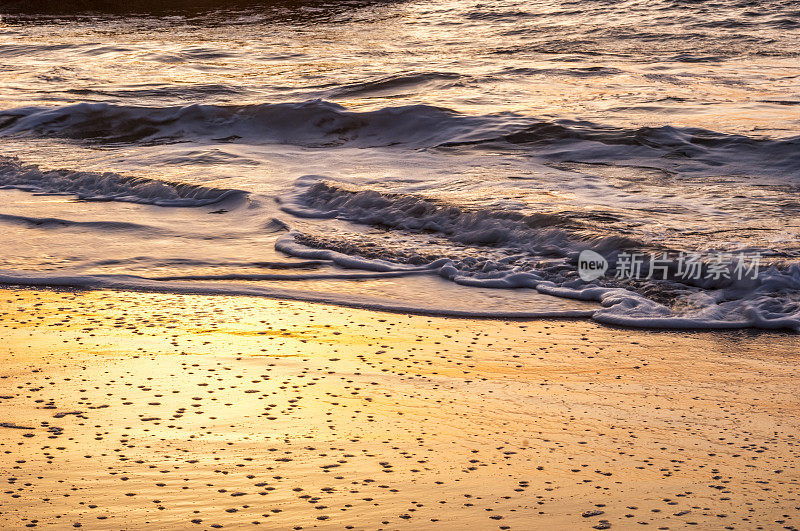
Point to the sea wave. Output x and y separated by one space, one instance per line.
773 305
315 123
58 223
323 124
548 234
685 149
771 301
108 186
392 84
501 249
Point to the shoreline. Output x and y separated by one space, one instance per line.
665 324
201 411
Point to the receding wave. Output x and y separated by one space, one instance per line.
771 301
108 186
508 250
136 283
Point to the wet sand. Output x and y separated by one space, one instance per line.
132 411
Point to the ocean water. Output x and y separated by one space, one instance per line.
450 157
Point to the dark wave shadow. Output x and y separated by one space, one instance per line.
298 10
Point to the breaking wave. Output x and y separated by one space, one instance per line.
319 123
108 186
315 123
508 250
549 234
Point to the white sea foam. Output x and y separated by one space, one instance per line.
770 302
547 233
478 247
509 250
763 308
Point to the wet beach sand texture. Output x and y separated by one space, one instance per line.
132 410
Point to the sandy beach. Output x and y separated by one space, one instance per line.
399 265
134 410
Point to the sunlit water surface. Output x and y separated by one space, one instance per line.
438 156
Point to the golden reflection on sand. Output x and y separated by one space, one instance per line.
124 410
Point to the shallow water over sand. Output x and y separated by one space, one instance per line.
485 145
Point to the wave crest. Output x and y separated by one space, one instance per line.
108 186
314 123
321 124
